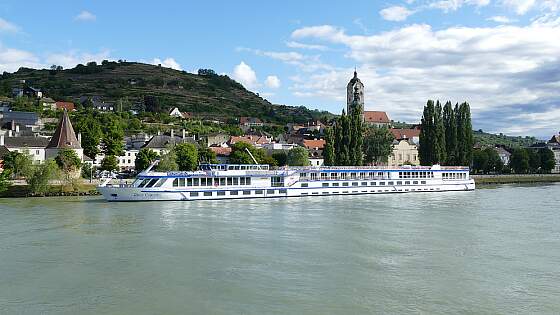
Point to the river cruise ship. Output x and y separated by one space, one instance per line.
227 181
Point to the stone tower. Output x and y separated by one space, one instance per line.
64 138
354 94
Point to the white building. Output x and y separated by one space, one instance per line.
32 145
404 152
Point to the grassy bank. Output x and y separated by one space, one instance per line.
516 179
18 191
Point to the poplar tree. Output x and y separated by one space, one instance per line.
439 136
426 135
356 137
465 138
344 145
338 140
328 152
450 125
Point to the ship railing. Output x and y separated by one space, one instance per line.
381 168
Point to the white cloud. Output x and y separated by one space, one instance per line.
395 13
520 6
308 63
501 19
168 63
294 44
71 58
454 5
85 16
8 27
244 74
272 82
12 59
502 71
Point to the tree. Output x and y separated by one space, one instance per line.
168 162
534 161
281 157
427 134
356 136
328 151
86 171
344 153
91 131
5 180
439 136
19 164
494 164
109 163
152 104
144 158
298 156
465 138
378 145
240 156
40 175
205 155
269 160
113 136
69 163
480 161
186 156
450 125
519 161
547 160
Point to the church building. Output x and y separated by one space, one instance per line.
64 138
355 99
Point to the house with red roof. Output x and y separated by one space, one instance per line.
376 118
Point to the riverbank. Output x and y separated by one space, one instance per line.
515 179
21 191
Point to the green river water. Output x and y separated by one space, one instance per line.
491 251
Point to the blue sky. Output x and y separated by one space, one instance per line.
500 55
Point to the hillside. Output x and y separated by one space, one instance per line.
487 139
208 95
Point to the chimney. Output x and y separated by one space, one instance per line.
172 133
10 133
1 139
184 134
80 138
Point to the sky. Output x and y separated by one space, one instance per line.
501 56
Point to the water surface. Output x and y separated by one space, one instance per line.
491 251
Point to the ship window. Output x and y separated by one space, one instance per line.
242 181
233 193
246 192
270 191
194 194
353 175
303 175
208 194
196 181
342 175
304 185
181 182
399 183
415 182
381 183
325 193
189 181
362 175
390 183
248 180
313 176
324 175
160 182
355 184
204 181
373 183
229 181
236 181
278 181
216 182
335 184
283 191
364 183
334 175
259 192
144 182
407 183
325 184
344 184
152 183
423 182
222 181
176 182
221 193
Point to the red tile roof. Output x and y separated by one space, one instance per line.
65 105
405 133
250 139
312 144
376 117
221 151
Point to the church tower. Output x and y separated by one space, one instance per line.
354 94
64 138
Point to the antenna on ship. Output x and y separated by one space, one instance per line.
252 157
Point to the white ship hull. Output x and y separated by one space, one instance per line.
296 187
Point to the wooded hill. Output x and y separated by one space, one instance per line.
206 94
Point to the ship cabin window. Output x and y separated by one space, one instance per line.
151 183
353 175
278 181
371 174
181 182
381 183
304 185
221 193
208 194
334 175
144 182
364 183
363 175
270 191
303 175
236 181
196 181
407 182
335 184
345 184
313 176
233 193
342 175
246 192
216 182
325 184
355 184
161 182
423 182
259 192
222 181
324 176
189 181
399 183
372 183
242 181
390 183
415 182
229 181
176 182
194 194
